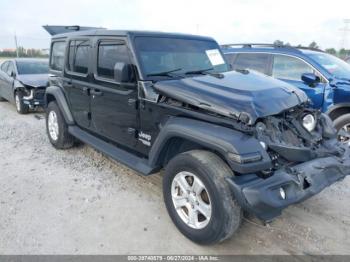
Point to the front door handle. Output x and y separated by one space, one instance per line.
68 83
96 92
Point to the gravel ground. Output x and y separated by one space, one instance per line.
79 202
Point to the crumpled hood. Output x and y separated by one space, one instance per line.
37 80
253 93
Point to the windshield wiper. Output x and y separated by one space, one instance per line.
165 73
205 72
202 71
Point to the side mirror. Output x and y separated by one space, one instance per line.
13 74
310 79
123 73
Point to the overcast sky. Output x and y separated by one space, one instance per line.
235 21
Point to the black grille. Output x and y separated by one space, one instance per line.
39 94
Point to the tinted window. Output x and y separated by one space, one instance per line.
109 53
4 66
32 67
159 54
57 56
78 56
289 68
257 62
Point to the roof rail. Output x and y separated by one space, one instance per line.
252 45
60 29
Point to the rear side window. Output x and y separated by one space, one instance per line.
57 56
110 53
78 56
257 62
289 68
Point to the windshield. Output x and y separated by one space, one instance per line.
32 67
164 57
332 64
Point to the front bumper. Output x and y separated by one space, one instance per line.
262 197
35 98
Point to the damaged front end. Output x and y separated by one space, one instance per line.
33 96
306 158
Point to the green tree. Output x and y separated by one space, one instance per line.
314 45
343 53
331 51
278 43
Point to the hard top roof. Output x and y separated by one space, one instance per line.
132 33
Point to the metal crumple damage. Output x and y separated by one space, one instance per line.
290 143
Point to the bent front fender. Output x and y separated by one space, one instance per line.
213 137
60 98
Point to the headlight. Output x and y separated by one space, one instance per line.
309 122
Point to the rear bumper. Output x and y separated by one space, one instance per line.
262 197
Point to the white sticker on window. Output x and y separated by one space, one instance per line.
215 57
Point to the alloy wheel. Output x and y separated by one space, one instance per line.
18 103
191 200
53 125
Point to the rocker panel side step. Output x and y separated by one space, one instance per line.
136 163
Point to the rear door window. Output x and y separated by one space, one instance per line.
78 56
57 56
254 61
289 68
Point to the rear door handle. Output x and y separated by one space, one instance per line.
85 90
96 92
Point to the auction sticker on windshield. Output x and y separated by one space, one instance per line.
215 57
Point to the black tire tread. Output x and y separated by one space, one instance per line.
341 121
65 140
219 171
24 108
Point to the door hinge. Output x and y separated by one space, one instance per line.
132 131
131 101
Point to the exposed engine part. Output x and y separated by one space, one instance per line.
289 140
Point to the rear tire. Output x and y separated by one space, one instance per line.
20 106
57 128
224 215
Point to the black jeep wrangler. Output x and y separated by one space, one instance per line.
228 140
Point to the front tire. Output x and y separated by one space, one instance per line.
20 106
343 123
57 128
198 198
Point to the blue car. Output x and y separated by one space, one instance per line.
323 77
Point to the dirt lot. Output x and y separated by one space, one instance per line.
79 202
